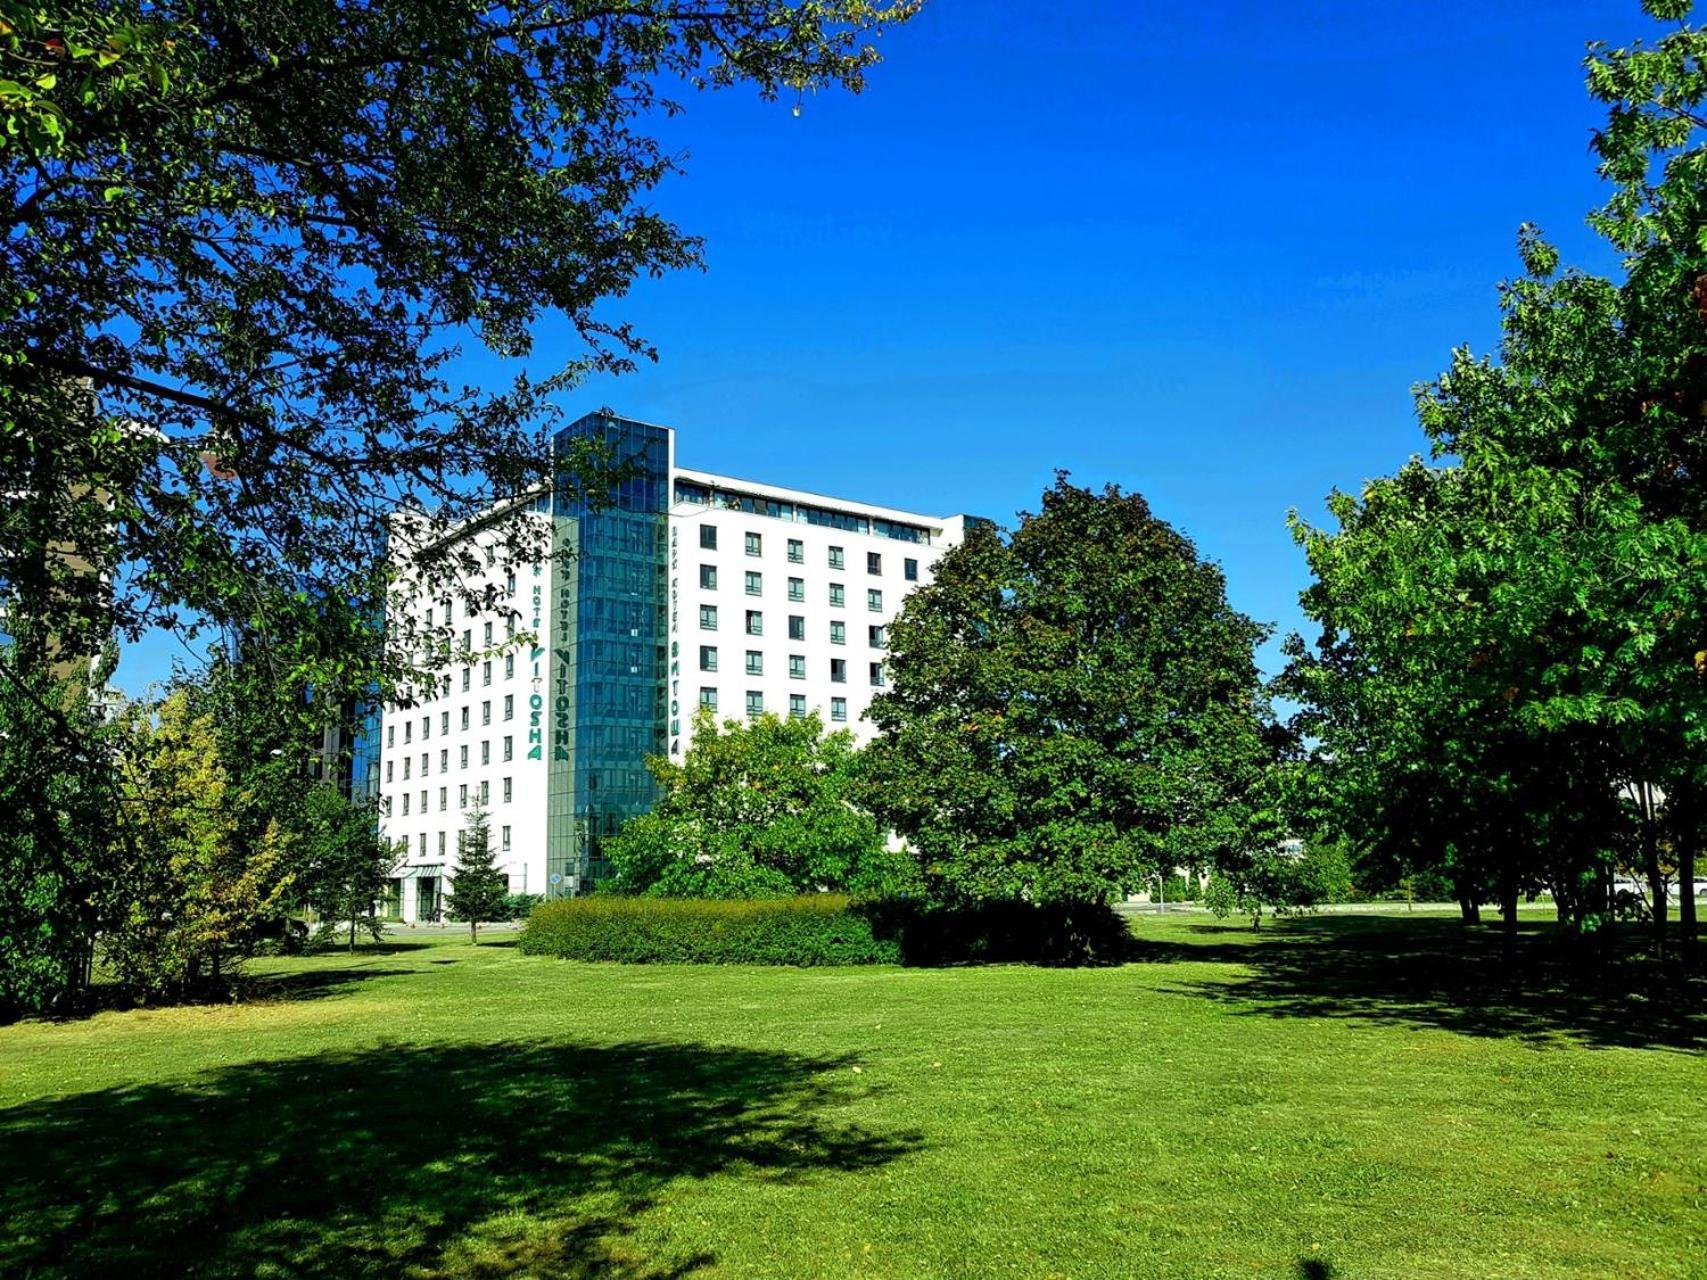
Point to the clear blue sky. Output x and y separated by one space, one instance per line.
1201 250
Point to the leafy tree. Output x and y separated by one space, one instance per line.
56 868
244 241
1532 650
1071 709
757 809
195 895
478 891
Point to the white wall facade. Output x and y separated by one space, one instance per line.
483 730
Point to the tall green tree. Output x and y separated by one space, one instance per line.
195 894
243 242
757 809
1553 617
478 890
342 862
1072 709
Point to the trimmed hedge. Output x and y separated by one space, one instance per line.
820 929
812 930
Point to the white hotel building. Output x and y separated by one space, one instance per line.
689 589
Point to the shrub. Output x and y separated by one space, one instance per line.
816 929
823 929
518 905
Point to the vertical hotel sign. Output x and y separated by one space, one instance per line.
536 699
675 645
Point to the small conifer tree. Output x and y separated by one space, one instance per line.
479 889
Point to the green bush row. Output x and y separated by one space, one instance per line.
823 929
814 930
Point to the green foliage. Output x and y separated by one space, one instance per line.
342 862
518 906
1281 881
478 891
243 244
759 809
1071 709
56 839
195 895
814 929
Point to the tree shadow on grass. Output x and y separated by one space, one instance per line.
457 1161
1443 973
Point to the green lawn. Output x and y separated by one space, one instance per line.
1338 1096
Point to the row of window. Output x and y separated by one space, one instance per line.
796 666
756 704
877 636
444 722
755 618
482 794
755 546
755 583
444 758
468 607
503 841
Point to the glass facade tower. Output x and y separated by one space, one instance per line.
608 639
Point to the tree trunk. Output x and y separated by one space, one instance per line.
1685 834
473 933
352 931
1651 864
1508 918
1470 910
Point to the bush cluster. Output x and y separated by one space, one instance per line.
821 929
816 929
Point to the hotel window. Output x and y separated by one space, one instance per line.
429 615
444 759
838 633
467 676
425 769
486 711
485 792
708 657
796 627
509 706
441 844
409 731
755 623
462 756
873 562
797 706
874 601
424 798
910 569
796 551
391 735
509 666
407 761
468 640
838 597
510 622
510 582
509 747
388 765
708 536
444 798
465 718
405 804
423 844
508 791
755 663
836 561
444 723
708 698
877 675
487 634
462 796
755 702
486 751
755 584
838 708
708 577
797 666
797 589
504 837
838 670
879 637
708 617
755 544
486 672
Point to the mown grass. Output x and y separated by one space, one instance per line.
1339 1096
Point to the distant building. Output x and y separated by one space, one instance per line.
690 589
